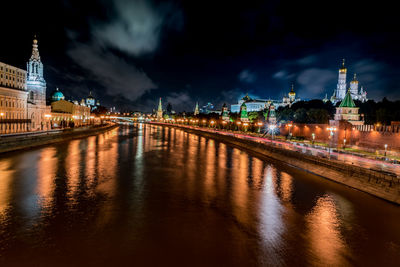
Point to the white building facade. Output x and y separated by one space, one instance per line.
23 97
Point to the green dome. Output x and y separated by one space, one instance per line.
57 95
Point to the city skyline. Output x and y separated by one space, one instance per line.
168 50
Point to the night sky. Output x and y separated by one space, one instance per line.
130 53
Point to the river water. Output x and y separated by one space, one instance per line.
148 195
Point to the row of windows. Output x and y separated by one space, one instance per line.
13 78
12 71
12 115
11 104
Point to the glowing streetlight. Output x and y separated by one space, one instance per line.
313 137
385 149
272 128
331 130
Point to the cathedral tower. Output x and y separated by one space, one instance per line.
341 86
35 83
38 112
354 87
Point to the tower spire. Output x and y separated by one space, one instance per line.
35 51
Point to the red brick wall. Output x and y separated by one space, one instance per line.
372 139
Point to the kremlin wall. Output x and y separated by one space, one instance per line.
365 136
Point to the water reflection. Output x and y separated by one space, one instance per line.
326 241
137 192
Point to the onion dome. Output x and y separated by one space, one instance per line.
57 95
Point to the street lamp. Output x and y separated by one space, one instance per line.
290 132
331 132
344 143
272 128
313 137
385 150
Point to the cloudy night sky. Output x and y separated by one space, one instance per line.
130 53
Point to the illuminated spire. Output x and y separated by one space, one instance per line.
354 79
35 51
196 109
160 105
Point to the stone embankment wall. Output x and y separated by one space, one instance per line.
8 144
375 183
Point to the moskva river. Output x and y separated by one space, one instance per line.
145 195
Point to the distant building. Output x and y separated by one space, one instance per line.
63 112
159 111
244 117
272 114
341 88
196 109
207 109
91 102
225 113
261 104
347 111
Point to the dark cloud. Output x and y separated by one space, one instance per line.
314 81
114 73
246 76
136 25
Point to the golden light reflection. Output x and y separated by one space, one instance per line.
272 225
47 168
209 180
6 176
286 187
326 241
90 171
239 184
72 165
222 166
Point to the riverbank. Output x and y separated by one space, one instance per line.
35 139
377 183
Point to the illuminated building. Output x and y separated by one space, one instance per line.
36 87
225 113
243 113
91 102
341 88
12 77
272 114
67 111
23 96
347 111
261 104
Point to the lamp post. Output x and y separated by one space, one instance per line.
259 126
313 138
331 133
344 144
272 129
385 150
290 132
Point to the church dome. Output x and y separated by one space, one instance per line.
57 95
